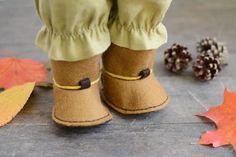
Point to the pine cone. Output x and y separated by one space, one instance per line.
177 58
206 67
210 46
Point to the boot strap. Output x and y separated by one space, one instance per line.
83 84
142 74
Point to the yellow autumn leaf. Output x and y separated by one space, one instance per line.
13 100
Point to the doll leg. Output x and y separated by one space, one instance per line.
74 35
129 85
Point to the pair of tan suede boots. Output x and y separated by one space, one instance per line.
128 86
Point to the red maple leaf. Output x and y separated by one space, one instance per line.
224 116
15 71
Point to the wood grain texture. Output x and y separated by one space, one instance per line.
170 132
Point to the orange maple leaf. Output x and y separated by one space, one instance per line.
15 71
224 117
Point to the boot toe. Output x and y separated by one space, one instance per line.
77 108
134 97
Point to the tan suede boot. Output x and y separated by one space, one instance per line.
129 85
76 93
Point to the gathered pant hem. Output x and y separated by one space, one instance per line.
138 38
73 46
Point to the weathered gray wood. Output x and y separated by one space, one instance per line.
170 132
165 140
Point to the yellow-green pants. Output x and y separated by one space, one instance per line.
78 29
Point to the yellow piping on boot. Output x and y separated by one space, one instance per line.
73 87
127 78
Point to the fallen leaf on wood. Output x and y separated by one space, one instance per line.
224 117
13 100
15 71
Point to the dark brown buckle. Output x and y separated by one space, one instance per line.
85 83
144 73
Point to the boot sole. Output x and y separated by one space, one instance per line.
136 111
86 123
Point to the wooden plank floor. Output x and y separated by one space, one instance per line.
171 132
